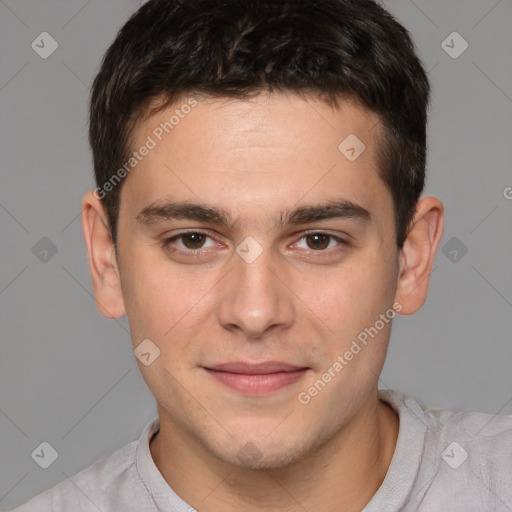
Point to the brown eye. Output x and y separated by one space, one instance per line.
318 241
321 243
190 242
193 240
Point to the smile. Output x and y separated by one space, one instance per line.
256 379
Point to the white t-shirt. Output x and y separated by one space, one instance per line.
444 461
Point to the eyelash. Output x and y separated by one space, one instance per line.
198 252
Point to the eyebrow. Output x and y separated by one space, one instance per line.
338 209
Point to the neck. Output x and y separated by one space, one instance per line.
343 474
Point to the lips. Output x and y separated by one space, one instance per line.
256 379
255 369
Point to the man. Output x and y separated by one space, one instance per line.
258 218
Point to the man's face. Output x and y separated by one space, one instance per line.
248 316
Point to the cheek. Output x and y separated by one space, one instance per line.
357 289
148 293
161 301
353 298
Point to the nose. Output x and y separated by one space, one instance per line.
255 298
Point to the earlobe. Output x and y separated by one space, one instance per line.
102 260
418 254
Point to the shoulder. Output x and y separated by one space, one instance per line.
111 483
474 451
468 454
473 428
485 437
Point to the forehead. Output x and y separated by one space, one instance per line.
280 147
292 122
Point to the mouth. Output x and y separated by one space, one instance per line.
256 379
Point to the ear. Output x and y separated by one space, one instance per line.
417 255
102 260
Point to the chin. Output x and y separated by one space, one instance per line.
259 454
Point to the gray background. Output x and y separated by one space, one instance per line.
68 376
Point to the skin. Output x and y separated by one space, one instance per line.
302 301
